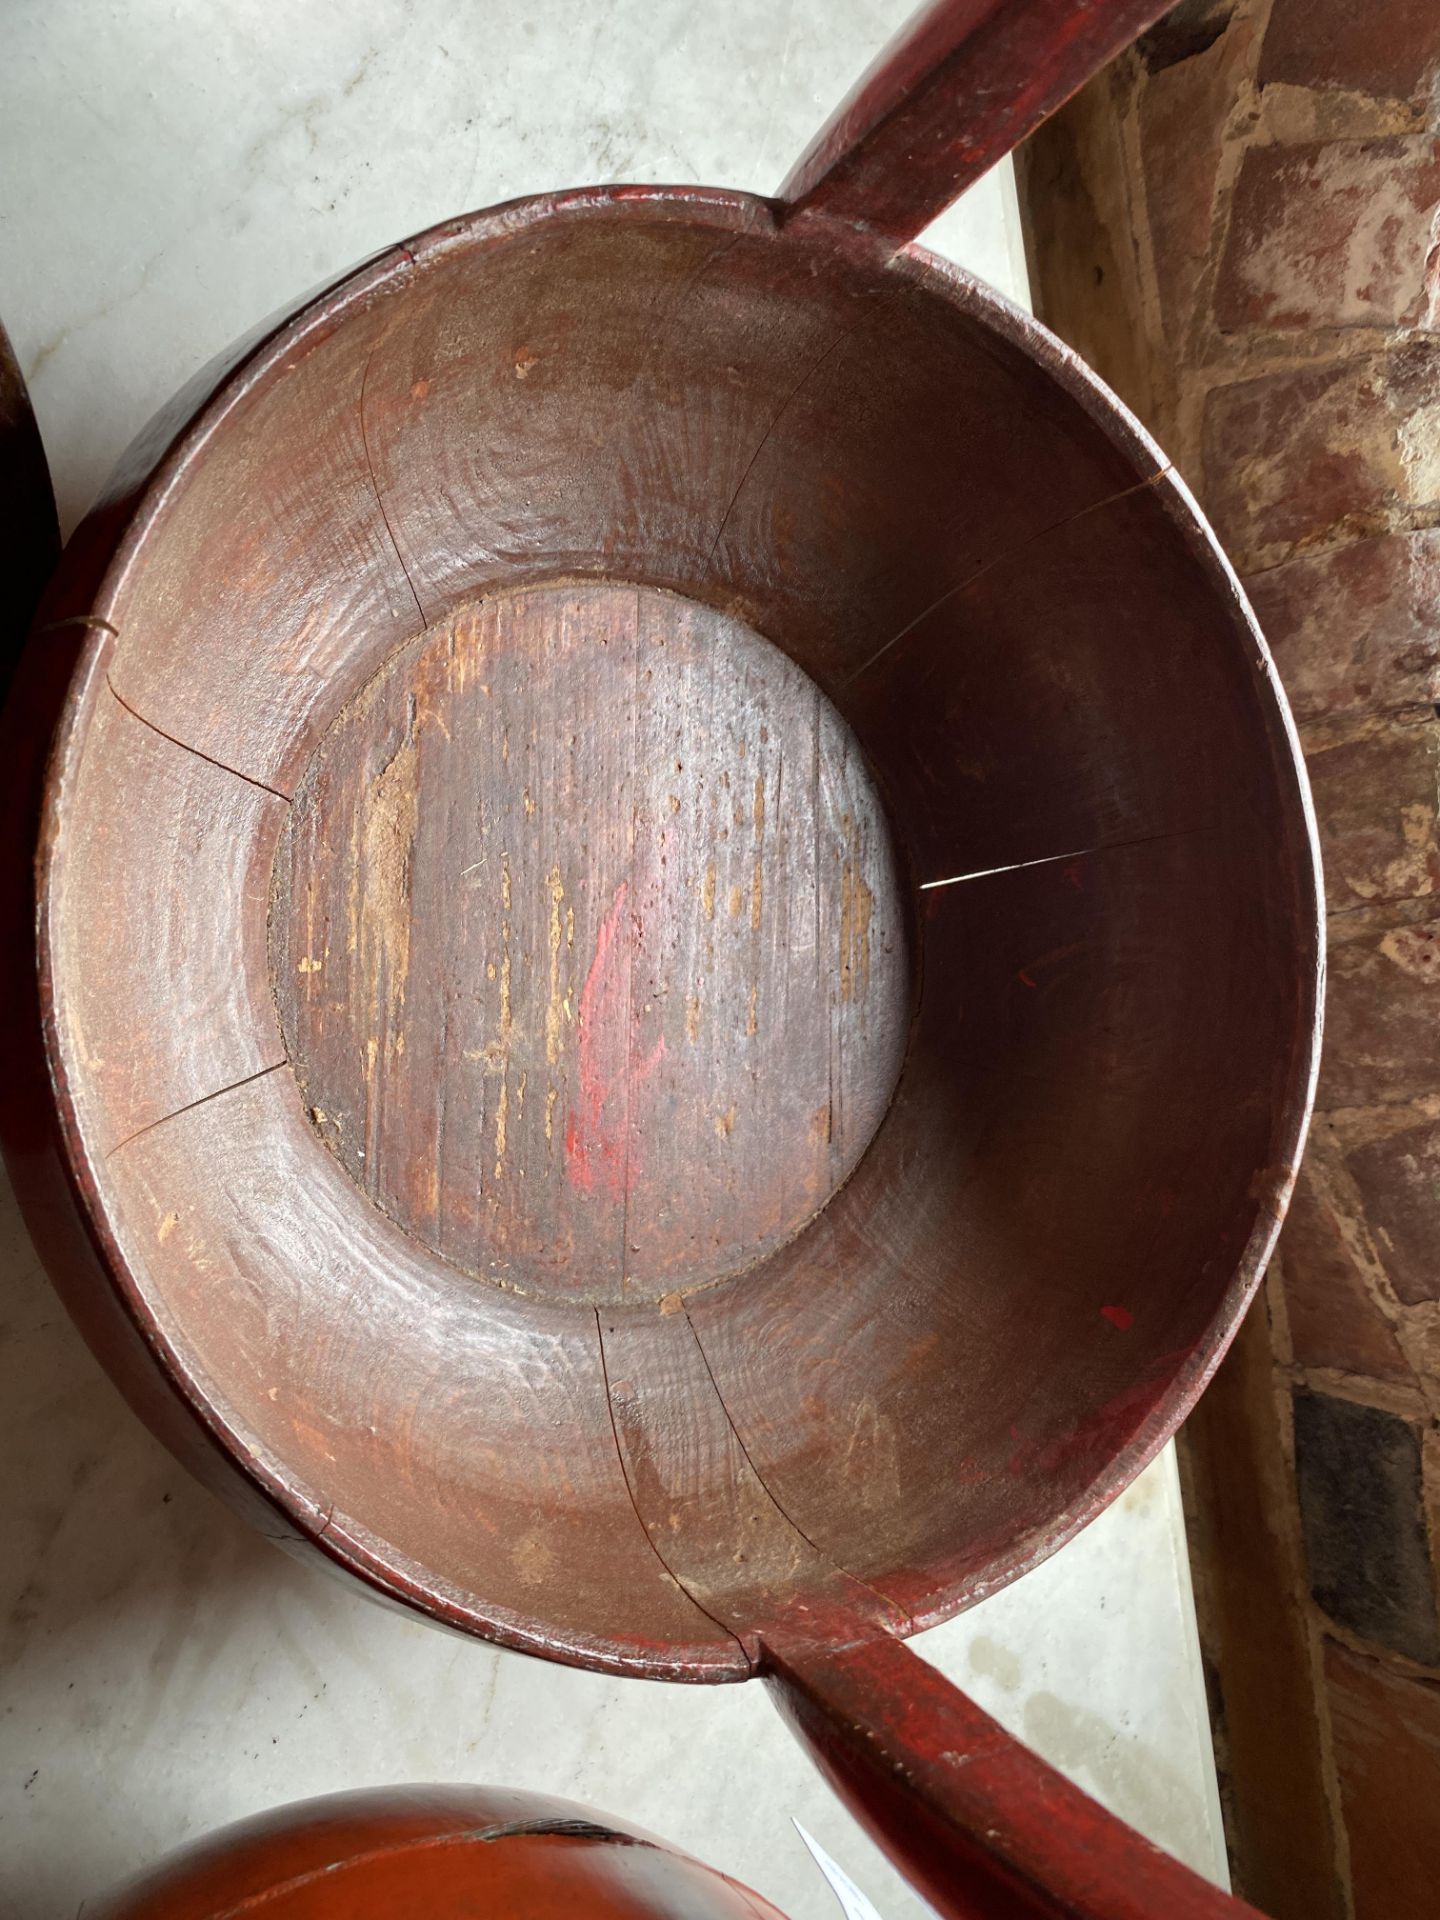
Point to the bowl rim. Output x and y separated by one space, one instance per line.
156 467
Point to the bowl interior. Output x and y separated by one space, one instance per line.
678 813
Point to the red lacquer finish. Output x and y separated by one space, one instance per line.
960 87
678 945
433 1853
984 1829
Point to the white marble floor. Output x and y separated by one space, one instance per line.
171 173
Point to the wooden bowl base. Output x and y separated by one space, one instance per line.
588 943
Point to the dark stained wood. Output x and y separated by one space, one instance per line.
972 1338
605 882
960 87
689 478
447 1853
1011 1298
29 532
745 1268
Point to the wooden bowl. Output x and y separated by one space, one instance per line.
508 985
678 932
447 1853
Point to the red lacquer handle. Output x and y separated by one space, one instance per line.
960 86
983 1827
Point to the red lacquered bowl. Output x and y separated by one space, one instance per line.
434 1853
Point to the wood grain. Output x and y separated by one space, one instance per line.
300 574
167 865
297 1304
939 523
956 1353
709 1516
588 946
701 1151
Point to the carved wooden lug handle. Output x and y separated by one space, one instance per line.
958 89
983 1827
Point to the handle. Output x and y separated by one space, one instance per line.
983 1827
960 86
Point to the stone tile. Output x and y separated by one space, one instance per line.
1386 1730
1357 627
1334 234
1294 457
1382 1010
1376 799
1361 1507
1398 1178
1336 43
1333 1320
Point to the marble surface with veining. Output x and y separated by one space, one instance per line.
168 175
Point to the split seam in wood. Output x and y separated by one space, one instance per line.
185 747
1056 859
1003 560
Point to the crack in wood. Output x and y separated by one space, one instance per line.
1056 859
375 484
1003 560
791 397
769 1492
185 746
231 1086
635 1505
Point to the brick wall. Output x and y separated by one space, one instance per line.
1239 225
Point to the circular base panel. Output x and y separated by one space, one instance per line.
587 943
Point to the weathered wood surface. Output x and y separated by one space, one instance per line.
177 854
911 1276
678 937
603 882
448 1853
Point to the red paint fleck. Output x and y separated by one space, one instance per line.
1023 975
1119 1317
599 1148
1075 875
